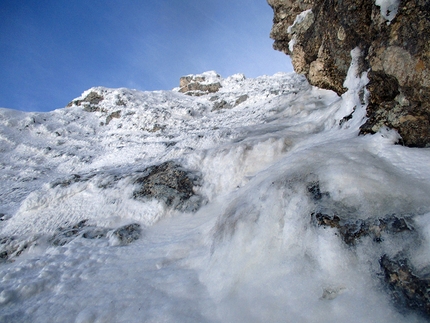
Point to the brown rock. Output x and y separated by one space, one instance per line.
320 34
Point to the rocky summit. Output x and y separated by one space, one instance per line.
393 39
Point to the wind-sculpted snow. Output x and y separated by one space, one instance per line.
257 203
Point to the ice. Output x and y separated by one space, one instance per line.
252 251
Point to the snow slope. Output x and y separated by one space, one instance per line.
250 251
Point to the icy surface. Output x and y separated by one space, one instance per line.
251 252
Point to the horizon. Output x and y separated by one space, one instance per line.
52 52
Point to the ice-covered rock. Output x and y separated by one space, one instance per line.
269 207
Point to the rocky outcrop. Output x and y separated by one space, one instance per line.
90 102
171 184
197 85
393 37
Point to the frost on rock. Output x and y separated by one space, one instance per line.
171 184
250 204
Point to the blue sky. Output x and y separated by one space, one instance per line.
53 50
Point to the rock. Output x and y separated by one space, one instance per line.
197 85
90 102
72 179
171 184
127 233
95 233
67 234
220 105
80 229
320 34
408 289
11 247
116 114
352 230
241 99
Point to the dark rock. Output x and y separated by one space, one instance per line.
90 102
241 99
11 247
221 105
128 233
74 178
314 189
67 234
171 184
395 51
95 233
91 108
352 230
407 288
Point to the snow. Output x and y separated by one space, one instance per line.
299 19
389 8
251 253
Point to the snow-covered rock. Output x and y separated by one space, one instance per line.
257 203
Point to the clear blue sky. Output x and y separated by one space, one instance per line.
53 50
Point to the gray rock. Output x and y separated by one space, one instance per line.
221 105
171 184
408 289
241 99
128 233
67 234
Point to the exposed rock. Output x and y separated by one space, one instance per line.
197 85
90 102
241 99
116 114
171 184
220 105
320 34
127 233
408 288
352 231
65 235
11 247
95 233
73 178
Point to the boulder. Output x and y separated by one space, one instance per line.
171 184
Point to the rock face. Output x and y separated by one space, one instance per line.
393 37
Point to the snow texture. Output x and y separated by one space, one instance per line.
389 8
250 252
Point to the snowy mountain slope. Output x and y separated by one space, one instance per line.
257 203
